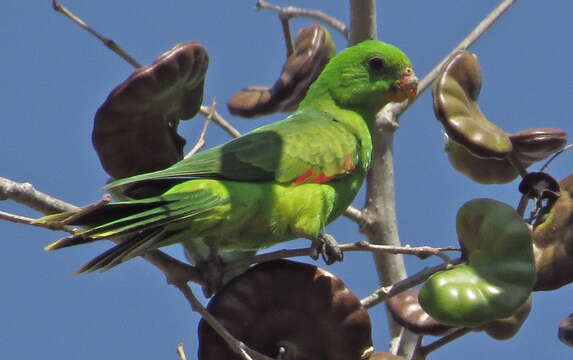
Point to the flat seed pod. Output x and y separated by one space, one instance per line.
313 48
535 145
481 170
407 311
135 129
305 310
553 241
497 275
506 328
455 93
566 330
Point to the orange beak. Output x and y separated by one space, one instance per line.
406 87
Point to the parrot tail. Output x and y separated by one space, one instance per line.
141 220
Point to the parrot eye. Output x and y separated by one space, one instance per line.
376 63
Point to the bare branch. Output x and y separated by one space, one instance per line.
219 120
383 293
181 352
110 44
421 252
380 210
237 346
29 221
355 215
469 40
424 351
25 194
290 12
363 25
201 141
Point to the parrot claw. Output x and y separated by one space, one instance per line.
327 246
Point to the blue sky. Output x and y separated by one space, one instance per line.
55 76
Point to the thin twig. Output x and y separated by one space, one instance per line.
113 46
568 147
286 33
201 141
25 194
421 252
219 120
236 345
469 40
29 221
181 352
354 214
110 44
383 293
292 11
424 351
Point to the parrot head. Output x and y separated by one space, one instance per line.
367 76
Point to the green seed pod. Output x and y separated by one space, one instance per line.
497 275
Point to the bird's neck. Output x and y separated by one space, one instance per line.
360 122
353 117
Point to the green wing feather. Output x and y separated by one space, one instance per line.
279 152
150 213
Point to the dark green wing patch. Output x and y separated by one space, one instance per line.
309 141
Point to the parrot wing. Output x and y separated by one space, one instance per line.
308 146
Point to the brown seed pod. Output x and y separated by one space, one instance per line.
503 329
553 241
481 170
529 147
313 48
455 93
305 310
135 129
408 312
533 145
566 330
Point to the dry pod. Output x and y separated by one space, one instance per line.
481 170
135 129
284 306
534 145
313 48
566 330
553 241
407 311
455 93
506 328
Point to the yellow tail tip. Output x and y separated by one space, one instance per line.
52 246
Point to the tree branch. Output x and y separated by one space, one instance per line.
219 120
237 346
363 24
291 11
110 44
380 210
383 293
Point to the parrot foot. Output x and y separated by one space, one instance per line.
327 246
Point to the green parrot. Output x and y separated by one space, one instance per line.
279 182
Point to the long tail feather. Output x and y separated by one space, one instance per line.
143 219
